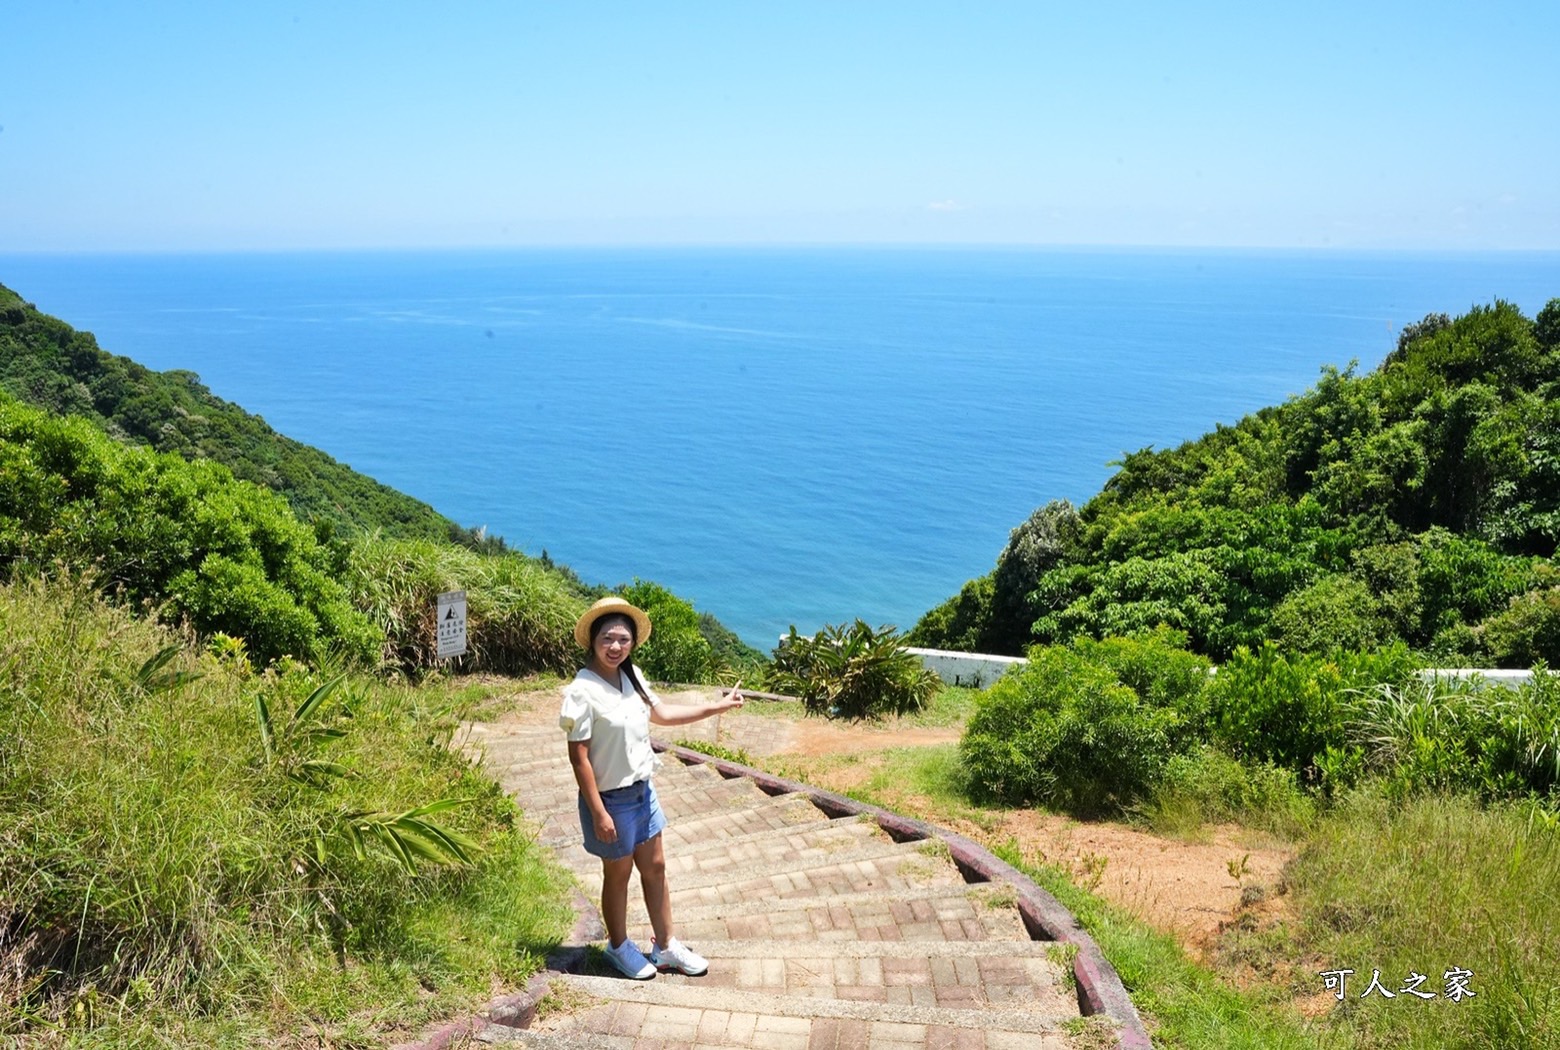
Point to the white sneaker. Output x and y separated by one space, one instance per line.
678 956
630 960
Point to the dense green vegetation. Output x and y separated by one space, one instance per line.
197 853
1418 503
46 362
1110 726
185 538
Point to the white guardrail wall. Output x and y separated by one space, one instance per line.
979 670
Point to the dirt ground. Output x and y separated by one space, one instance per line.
1190 889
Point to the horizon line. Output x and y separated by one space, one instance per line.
652 246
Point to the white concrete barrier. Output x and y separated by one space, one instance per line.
1506 679
976 670
979 670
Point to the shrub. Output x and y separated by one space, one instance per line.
961 623
1156 666
1064 731
1461 735
1185 590
189 537
1292 709
730 651
1335 612
1527 631
1207 784
852 672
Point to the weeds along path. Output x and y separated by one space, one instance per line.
828 925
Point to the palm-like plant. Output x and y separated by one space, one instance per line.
852 671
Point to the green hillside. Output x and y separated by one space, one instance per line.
1419 502
46 362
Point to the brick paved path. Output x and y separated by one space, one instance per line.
823 932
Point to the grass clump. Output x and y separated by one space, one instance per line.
166 877
1207 785
519 614
714 750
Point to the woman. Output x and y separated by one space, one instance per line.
607 711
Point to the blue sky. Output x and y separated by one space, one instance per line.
162 126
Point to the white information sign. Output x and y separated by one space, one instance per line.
452 623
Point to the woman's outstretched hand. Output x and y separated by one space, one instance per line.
734 698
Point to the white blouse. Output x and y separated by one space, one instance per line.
616 722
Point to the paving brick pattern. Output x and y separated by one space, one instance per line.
822 933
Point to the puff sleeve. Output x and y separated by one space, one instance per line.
575 717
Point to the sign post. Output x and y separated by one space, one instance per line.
452 623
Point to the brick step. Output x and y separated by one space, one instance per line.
861 850
549 759
961 913
662 1013
553 770
769 816
895 867
764 850
1027 976
671 787
560 792
774 849
560 827
769 813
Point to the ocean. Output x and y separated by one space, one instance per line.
782 436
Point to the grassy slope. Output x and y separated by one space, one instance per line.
170 882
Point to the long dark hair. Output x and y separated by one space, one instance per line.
628 661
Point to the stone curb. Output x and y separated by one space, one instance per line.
1100 990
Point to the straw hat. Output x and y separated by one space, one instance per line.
612 604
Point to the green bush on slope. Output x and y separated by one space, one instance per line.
186 537
1064 731
520 614
677 650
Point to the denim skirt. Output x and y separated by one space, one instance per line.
635 812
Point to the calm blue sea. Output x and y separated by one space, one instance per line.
782 436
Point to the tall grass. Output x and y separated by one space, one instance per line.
519 613
1450 735
1427 884
157 868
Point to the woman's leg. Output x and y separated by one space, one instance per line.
650 858
614 896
